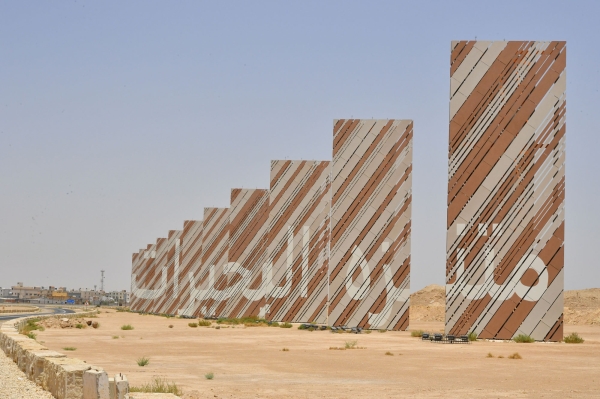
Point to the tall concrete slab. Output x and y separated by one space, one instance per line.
506 189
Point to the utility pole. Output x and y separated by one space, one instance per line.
102 280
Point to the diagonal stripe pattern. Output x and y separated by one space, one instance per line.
370 222
298 241
506 189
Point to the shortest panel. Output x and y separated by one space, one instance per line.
371 223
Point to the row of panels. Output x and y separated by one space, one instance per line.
328 242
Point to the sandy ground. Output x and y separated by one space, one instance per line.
250 363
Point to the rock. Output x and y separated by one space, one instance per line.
89 322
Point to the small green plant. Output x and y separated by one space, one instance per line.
31 325
193 325
515 356
285 350
209 376
69 348
158 385
286 325
350 344
382 331
115 337
367 331
523 339
472 336
143 361
573 338
389 354
274 324
127 327
31 335
79 326
204 323
416 333
490 354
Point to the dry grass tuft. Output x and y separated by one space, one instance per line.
389 353
285 350
127 327
69 348
416 333
523 339
193 325
204 323
515 356
573 338
490 354
158 385
143 361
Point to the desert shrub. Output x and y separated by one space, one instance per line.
490 354
285 350
204 323
31 335
170 325
350 344
367 331
472 336
500 357
79 325
275 324
127 327
158 385
382 331
285 325
31 325
573 338
241 320
143 361
515 356
69 348
95 324
193 325
416 333
115 337
389 353
209 376
523 339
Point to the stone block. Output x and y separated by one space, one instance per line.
63 377
121 386
95 384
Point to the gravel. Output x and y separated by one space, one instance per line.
15 385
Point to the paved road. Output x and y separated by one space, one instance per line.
43 311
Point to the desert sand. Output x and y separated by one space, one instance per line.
249 362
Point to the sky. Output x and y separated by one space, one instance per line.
120 120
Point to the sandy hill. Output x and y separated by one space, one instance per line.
581 306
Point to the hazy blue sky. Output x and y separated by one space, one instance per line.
120 119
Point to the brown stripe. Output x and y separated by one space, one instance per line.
459 54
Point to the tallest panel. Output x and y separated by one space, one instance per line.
506 189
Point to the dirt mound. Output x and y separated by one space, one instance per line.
582 307
428 304
55 322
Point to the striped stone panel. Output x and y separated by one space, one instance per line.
298 241
167 260
249 213
371 223
189 266
147 282
506 189
209 292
